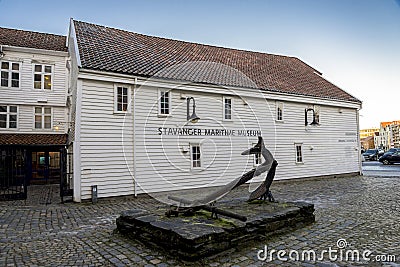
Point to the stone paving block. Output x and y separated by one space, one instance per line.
362 210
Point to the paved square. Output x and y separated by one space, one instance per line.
364 212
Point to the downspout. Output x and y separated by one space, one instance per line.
134 139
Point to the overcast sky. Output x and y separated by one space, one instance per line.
354 43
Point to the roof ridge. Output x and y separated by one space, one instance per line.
188 42
147 55
29 31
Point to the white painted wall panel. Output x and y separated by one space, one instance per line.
26 94
161 165
106 143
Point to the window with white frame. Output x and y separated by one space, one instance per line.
43 117
10 74
8 117
122 96
279 111
299 153
195 155
257 157
228 104
42 76
164 102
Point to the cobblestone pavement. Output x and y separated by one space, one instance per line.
364 211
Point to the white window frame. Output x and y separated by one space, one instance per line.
129 95
223 108
43 115
8 113
257 160
299 160
42 74
279 106
10 72
192 145
160 95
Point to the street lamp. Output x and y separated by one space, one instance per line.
314 122
192 118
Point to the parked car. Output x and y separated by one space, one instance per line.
392 150
390 158
371 154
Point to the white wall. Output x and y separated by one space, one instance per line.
26 97
106 143
160 165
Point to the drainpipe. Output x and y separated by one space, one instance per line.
134 137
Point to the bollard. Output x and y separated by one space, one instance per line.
94 194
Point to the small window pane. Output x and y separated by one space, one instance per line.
3 120
47 81
15 66
38 110
38 68
47 122
13 121
38 85
3 108
15 79
38 122
47 110
5 65
4 78
13 109
15 83
47 69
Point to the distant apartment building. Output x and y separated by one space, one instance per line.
368 132
389 135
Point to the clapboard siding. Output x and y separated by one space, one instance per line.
26 97
106 143
160 163
26 94
170 168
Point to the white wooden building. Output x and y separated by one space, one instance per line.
33 109
129 104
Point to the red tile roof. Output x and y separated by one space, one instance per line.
108 49
20 38
33 139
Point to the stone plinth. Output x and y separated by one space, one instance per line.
197 236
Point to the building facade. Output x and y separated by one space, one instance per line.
368 132
33 110
150 114
389 135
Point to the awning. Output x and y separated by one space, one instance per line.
33 139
